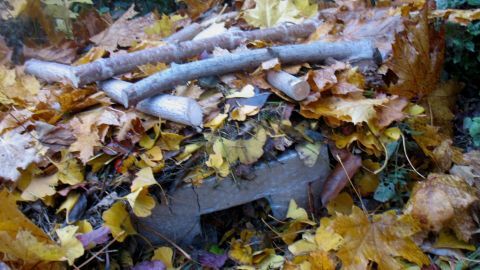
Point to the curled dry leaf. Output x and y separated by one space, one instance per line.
437 200
338 178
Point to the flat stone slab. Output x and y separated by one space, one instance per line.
277 181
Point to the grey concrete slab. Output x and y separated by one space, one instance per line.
277 181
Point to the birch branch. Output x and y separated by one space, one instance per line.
174 108
288 54
186 33
292 86
106 68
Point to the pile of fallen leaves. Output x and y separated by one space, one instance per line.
76 166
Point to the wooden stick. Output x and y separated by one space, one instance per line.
174 108
292 86
106 68
186 33
245 60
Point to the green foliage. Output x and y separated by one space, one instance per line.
391 185
119 6
62 11
462 60
473 127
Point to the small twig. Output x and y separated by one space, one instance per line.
101 250
408 159
171 243
351 183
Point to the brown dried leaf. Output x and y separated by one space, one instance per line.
61 53
124 31
89 23
436 201
379 239
391 111
417 58
195 8
5 52
338 178
441 104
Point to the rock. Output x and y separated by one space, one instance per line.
277 181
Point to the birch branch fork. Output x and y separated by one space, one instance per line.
174 108
106 68
250 59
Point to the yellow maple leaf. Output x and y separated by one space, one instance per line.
118 221
345 109
380 239
268 13
17 88
85 145
325 239
163 27
306 9
141 202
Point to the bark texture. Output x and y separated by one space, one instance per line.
174 108
106 68
186 33
292 86
288 54
51 72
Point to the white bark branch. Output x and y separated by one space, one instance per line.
292 86
106 68
288 54
174 108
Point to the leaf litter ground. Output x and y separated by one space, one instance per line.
76 166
